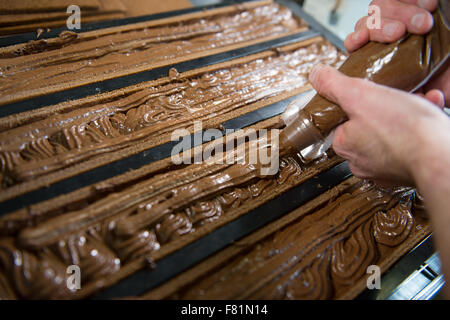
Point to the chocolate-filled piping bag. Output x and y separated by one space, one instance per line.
406 64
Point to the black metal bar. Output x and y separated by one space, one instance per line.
133 79
172 265
85 27
133 162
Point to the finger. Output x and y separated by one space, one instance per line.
343 142
293 108
429 5
416 19
389 31
360 172
436 97
441 82
357 39
361 23
385 181
347 92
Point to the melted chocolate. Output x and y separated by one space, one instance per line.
319 256
94 58
63 140
112 235
128 225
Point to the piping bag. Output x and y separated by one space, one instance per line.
407 64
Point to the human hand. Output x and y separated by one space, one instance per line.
388 131
397 17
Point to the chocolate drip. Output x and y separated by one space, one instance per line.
310 283
89 253
140 244
173 226
207 211
352 256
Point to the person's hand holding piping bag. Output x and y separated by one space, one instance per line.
398 17
394 137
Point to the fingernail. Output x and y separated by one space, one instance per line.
424 4
390 29
315 73
355 36
418 20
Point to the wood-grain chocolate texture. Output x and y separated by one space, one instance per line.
39 16
321 255
91 130
45 66
117 233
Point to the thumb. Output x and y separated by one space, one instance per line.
337 87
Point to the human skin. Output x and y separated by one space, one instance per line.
397 17
393 137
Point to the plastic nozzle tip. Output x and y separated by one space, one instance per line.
300 134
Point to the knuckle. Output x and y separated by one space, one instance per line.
339 142
355 91
323 83
348 44
374 3
380 3
358 172
361 23
431 5
434 4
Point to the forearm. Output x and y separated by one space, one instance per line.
432 177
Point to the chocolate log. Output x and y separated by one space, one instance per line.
406 64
